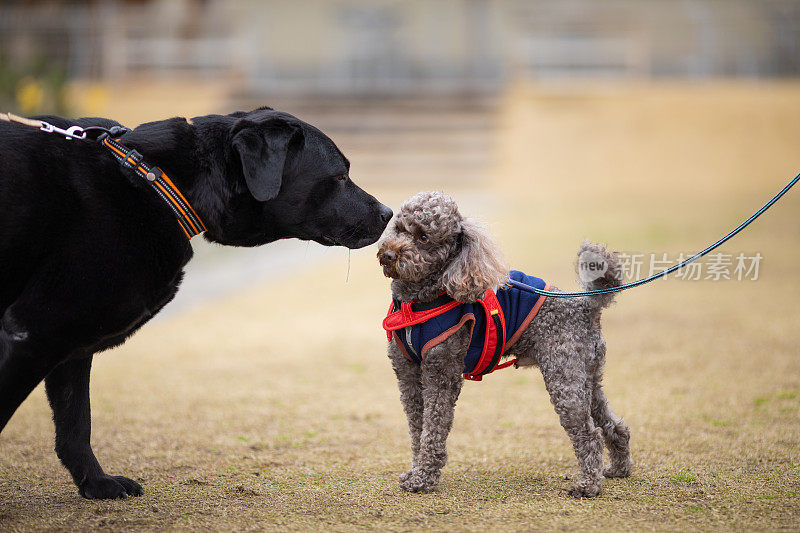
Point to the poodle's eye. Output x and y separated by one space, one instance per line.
342 177
423 238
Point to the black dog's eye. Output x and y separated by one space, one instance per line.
341 178
423 238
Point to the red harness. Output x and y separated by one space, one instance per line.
404 314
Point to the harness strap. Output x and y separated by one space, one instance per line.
405 314
495 339
507 364
442 299
189 221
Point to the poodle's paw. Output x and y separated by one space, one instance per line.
585 488
416 481
619 468
404 477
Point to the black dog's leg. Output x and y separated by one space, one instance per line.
68 392
20 372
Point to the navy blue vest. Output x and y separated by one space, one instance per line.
518 309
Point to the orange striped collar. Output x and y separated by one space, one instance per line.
189 221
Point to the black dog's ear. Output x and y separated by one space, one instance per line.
262 148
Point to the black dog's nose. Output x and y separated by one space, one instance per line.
388 257
386 213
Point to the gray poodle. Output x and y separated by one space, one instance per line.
445 268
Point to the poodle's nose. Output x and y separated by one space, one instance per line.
388 257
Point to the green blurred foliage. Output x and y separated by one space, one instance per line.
36 87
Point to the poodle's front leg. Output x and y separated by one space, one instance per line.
441 385
409 379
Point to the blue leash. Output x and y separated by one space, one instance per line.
528 288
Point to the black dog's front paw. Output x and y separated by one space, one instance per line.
107 487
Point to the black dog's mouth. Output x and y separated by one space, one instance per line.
356 235
352 243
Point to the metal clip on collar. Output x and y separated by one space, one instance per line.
73 132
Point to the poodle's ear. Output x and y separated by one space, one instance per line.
478 267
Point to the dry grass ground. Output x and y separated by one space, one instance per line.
276 409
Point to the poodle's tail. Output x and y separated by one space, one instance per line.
598 269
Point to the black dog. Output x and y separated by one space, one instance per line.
89 252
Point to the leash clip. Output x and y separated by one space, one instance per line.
73 132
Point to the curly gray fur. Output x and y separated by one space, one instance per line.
433 248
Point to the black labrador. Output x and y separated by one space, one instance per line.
89 252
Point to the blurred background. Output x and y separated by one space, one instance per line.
654 126
413 91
